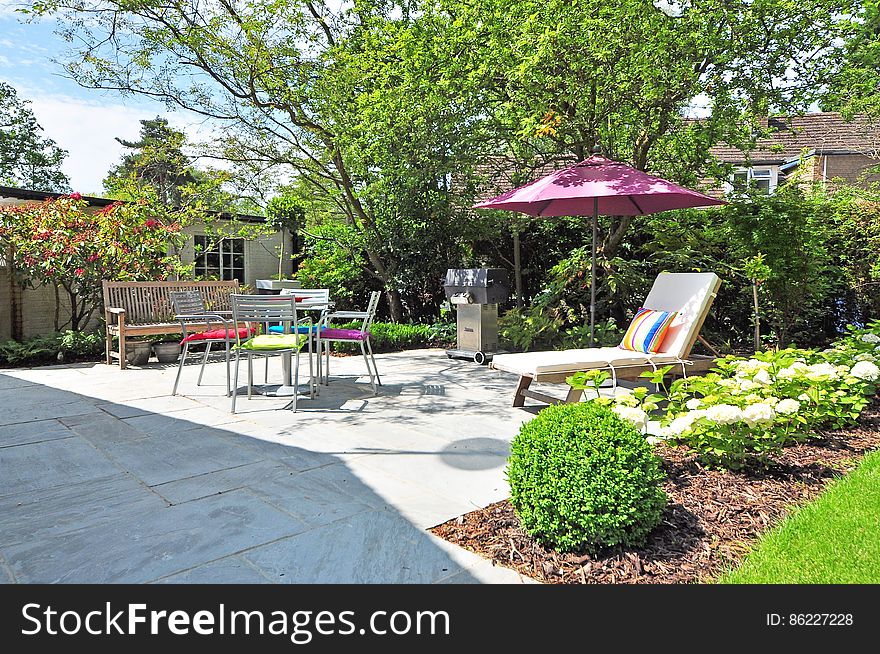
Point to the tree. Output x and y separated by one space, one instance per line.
61 244
155 160
285 214
319 92
27 159
856 90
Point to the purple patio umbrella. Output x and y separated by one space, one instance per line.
597 186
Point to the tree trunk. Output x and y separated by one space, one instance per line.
57 308
395 305
517 268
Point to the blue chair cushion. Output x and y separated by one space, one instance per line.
301 329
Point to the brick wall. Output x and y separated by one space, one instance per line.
846 166
37 310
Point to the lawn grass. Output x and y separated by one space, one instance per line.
833 540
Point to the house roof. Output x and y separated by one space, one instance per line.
29 195
818 133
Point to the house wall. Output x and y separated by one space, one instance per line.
846 166
37 309
260 256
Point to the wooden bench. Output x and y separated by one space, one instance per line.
144 309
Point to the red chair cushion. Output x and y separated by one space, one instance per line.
219 334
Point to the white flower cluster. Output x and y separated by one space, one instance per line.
749 367
870 338
788 406
758 414
865 370
819 372
634 415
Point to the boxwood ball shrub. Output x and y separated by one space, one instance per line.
582 479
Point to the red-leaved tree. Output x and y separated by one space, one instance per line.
59 243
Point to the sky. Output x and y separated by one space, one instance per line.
84 122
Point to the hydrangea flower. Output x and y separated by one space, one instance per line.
865 370
750 367
865 356
757 414
748 385
870 338
681 424
693 404
762 377
792 371
821 372
636 416
788 406
724 414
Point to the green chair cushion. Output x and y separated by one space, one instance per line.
265 342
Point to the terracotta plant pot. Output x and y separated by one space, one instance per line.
137 353
166 352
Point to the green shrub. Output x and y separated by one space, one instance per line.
393 337
752 408
45 349
582 479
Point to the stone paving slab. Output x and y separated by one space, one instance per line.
380 547
33 432
220 481
46 464
116 480
53 512
175 455
229 570
153 544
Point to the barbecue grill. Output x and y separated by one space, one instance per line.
476 293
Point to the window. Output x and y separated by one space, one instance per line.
762 179
225 261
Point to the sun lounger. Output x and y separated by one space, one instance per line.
690 295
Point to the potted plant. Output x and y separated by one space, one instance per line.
137 352
166 347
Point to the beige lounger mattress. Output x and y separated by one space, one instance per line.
538 363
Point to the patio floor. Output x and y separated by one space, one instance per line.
106 478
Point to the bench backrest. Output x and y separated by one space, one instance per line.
149 302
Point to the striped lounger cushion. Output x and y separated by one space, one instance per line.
647 330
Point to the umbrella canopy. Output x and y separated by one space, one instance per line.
621 190
597 186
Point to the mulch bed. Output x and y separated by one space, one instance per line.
712 518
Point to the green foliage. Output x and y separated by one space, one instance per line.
27 159
538 328
856 88
818 260
329 264
752 408
583 479
393 337
52 348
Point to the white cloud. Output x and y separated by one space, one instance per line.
88 131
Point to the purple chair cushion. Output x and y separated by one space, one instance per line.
345 334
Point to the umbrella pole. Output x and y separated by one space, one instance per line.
593 272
